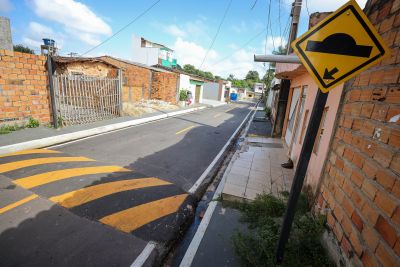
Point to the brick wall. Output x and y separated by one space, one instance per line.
360 190
23 87
136 80
164 86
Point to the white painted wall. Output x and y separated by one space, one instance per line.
144 55
211 91
184 83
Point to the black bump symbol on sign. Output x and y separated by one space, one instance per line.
340 44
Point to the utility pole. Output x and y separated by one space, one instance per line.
295 13
285 84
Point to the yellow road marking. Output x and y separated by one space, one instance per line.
18 203
84 195
32 162
49 177
31 151
230 109
130 219
217 115
186 129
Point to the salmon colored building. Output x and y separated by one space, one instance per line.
300 103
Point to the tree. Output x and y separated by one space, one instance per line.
268 76
23 49
253 75
189 68
231 77
281 51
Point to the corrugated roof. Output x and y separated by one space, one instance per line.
136 64
60 59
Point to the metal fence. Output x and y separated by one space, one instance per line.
83 99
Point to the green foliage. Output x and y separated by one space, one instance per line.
183 95
32 123
231 77
5 129
268 76
264 216
23 49
267 112
253 75
193 70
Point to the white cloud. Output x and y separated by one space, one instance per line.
238 63
76 18
5 5
35 32
324 6
174 30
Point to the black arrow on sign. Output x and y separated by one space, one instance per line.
328 75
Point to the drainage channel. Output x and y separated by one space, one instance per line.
177 253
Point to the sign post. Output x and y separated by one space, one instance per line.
336 49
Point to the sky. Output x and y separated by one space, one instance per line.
187 26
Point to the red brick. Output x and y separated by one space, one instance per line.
386 230
385 202
386 179
346 246
386 24
366 95
358 123
396 189
394 138
395 164
370 169
348 154
391 75
395 6
370 237
377 77
379 113
356 109
383 156
358 160
338 212
393 94
368 260
337 230
366 110
369 147
330 219
392 114
347 137
348 122
354 95
370 213
355 242
347 206
357 199
347 187
369 189
385 258
396 248
368 128
358 222
339 163
357 178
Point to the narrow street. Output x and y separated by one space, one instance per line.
114 192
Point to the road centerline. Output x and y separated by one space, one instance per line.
186 129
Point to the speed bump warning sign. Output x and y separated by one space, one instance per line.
340 46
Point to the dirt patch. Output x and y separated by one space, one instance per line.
146 106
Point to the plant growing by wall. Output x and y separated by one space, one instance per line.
32 123
183 95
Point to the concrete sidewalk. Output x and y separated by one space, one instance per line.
254 169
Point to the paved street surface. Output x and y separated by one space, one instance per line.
99 201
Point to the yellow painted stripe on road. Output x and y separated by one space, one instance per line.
30 151
53 176
18 203
32 162
84 195
186 129
131 219
230 109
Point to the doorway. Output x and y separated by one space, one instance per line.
197 94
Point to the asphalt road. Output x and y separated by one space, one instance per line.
177 149
99 201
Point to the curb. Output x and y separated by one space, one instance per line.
54 140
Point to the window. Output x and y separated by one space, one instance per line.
320 131
303 128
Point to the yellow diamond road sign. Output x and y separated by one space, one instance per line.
340 46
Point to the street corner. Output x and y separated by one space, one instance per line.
147 207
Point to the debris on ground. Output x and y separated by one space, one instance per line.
146 106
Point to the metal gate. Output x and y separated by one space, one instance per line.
83 99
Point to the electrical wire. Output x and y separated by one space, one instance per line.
216 34
307 9
255 2
123 28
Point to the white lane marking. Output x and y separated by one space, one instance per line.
198 237
141 259
199 181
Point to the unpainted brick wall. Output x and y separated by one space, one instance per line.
360 190
164 86
136 81
23 87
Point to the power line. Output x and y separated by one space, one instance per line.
307 9
255 2
216 34
242 46
124 27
